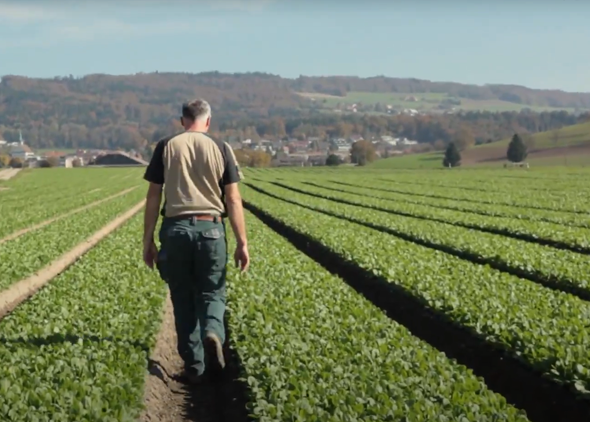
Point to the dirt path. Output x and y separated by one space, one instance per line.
59 217
7 174
22 290
167 400
164 398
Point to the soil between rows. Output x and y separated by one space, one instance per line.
221 399
42 224
164 398
7 174
24 289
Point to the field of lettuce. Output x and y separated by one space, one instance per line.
372 295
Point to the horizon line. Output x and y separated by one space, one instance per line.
168 72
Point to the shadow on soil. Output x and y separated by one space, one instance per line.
220 397
543 400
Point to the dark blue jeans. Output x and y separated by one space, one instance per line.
193 262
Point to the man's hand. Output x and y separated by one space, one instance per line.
242 257
150 253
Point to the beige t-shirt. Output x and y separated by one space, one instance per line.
194 169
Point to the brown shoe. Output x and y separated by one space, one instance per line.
213 352
188 376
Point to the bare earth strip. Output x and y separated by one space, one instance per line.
22 290
164 398
59 217
8 173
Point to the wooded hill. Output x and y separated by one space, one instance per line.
340 86
131 111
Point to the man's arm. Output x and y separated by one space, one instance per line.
152 210
235 212
231 177
154 174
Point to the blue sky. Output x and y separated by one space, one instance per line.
537 44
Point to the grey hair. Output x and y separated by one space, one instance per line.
197 109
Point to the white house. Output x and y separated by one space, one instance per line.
22 151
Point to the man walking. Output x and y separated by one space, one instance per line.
199 177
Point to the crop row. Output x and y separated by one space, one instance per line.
315 350
544 328
46 185
481 180
77 351
28 253
514 213
570 202
32 209
565 269
464 181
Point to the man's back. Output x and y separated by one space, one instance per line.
195 169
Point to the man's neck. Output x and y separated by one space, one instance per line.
196 128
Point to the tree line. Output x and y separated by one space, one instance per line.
132 112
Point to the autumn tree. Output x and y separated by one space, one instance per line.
4 160
242 157
452 156
517 150
252 158
333 160
53 161
362 152
464 139
15 163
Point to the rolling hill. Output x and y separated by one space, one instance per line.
386 103
129 111
567 146
427 95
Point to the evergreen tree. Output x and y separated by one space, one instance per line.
452 156
517 150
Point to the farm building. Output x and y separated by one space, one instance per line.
119 158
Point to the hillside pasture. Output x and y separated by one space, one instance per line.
569 146
421 101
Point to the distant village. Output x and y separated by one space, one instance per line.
21 155
313 151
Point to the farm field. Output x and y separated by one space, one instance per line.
373 295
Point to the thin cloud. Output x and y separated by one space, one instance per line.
245 5
18 13
116 28
58 24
